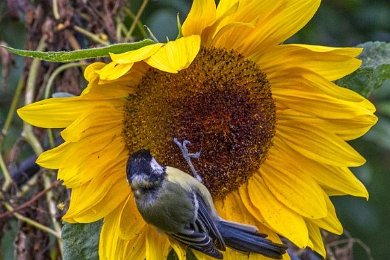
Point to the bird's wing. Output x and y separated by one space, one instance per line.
202 225
206 222
199 241
202 234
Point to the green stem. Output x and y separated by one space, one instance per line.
4 131
27 132
49 85
55 73
33 222
12 108
139 24
7 175
56 14
136 19
93 37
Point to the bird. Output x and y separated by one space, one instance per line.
179 205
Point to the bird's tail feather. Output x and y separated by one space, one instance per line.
246 238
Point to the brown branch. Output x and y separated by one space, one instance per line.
30 201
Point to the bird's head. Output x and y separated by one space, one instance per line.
143 171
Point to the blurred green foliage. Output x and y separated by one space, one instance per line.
337 23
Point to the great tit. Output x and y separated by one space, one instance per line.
182 207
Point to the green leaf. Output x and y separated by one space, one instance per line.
69 56
81 241
374 71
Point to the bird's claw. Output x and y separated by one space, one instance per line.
187 156
194 155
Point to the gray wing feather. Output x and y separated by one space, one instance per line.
202 234
205 220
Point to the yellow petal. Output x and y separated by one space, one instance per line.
346 128
97 199
330 63
241 23
318 144
226 32
109 90
68 154
225 6
246 200
316 239
309 168
157 244
317 104
90 72
231 254
93 166
201 15
306 80
136 55
179 249
284 21
53 112
272 236
109 239
277 216
111 246
233 209
351 52
253 256
176 55
114 70
338 179
131 222
136 249
91 123
330 223
128 81
201 256
282 177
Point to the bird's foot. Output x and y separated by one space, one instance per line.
188 156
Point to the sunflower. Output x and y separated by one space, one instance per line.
271 125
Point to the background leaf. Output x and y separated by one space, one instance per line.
69 56
374 71
81 241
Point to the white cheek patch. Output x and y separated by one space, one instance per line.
140 181
157 168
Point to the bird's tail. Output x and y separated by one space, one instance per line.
246 238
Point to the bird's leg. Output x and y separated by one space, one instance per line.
187 156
